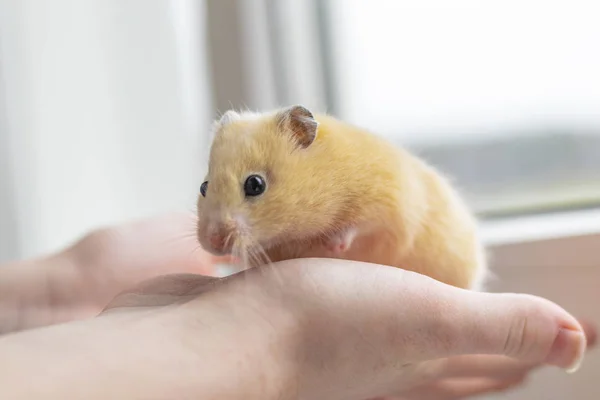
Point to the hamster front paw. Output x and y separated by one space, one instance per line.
341 242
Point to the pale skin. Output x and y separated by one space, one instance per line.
335 330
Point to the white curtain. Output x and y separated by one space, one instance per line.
105 106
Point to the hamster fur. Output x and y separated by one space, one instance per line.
333 190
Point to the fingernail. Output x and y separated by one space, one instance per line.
568 350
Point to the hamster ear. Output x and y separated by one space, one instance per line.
300 122
228 117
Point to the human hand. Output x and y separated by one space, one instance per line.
346 330
79 281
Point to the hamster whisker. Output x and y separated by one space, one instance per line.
239 251
183 236
253 258
192 253
250 249
259 253
263 253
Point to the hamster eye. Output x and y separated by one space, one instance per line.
255 185
203 188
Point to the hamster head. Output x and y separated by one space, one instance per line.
260 189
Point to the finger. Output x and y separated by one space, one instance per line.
162 290
483 366
227 259
591 332
494 366
524 327
456 389
174 284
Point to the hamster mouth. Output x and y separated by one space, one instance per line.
221 244
217 243
218 250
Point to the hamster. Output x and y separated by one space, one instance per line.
288 184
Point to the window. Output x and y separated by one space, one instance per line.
502 96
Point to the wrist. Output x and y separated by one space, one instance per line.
128 355
253 345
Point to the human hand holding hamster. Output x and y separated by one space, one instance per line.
343 330
335 334
288 184
78 281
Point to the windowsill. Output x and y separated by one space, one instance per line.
540 227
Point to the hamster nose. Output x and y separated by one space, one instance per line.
217 240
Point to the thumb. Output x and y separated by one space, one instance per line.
414 318
524 327
434 320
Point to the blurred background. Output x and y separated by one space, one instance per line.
105 107
106 104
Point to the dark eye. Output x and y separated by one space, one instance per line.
255 185
203 188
